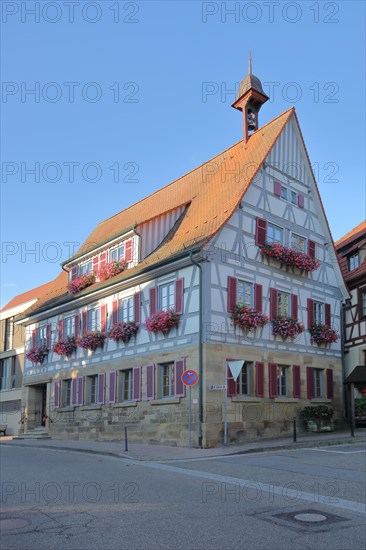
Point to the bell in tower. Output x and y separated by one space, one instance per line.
249 101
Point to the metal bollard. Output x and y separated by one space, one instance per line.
295 434
126 440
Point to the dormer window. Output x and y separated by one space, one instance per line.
353 262
86 268
117 253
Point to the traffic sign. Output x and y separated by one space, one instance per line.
189 377
220 387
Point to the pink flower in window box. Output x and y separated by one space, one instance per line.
91 340
287 327
37 355
123 331
162 321
111 269
323 334
65 346
82 282
290 256
248 319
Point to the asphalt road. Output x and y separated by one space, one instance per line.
301 499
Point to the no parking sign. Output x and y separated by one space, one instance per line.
189 377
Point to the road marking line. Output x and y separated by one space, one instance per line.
349 505
338 452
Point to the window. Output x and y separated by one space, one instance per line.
354 262
92 389
298 242
167 379
86 267
243 381
126 310
274 234
69 326
117 254
245 293
126 385
282 381
67 393
167 296
318 383
94 319
363 302
318 313
293 197
42 336
283 304
7 374
283 192
8 335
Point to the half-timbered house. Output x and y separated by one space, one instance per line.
227 271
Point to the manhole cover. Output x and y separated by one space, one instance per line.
9 524
310 517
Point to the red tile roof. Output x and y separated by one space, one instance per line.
27 296
350 243
358 231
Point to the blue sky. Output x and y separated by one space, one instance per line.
128 96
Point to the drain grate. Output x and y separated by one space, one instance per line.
310 517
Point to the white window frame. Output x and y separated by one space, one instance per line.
245 293
69 326
318 383
283 304
5 373
363 302
354 261
66 392
117 253
92 385
8 333
244 378
293 197
318 313
41 339
295 242
85 267
94 319
126 309
166 296
283 372
167 372
275 229
284 191
126 377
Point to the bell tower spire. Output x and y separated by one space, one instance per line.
249 101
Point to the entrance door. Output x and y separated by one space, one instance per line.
43 408
40 405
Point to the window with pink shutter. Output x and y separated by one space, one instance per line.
179 368
179 296
296 381
74 272
102 259
103 318
231 383
115 311
61 328
137 308
231 293
49 336
57 394
273 303
136 383
329 377
84 315
101 389
259 379
258 298
310 307
153 297
150 382
294 306
129 250
310 382
327 315
112 387
277 188
77 326
311 249
272 376
301 200
260 232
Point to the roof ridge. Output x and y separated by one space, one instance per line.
352 233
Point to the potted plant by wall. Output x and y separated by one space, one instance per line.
37 355
65 346
287 327
91 340
123 331
247 318
323 334
318 418
162 321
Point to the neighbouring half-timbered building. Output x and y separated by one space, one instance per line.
228 271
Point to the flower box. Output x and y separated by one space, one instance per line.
323 334
91 340
65 346
162 321
290 256
82 282
287 327
247 318
37 355
111 269
123 331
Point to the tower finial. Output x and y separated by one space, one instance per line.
250 63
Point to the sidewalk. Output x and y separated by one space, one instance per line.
146 451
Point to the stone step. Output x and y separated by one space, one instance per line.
33 435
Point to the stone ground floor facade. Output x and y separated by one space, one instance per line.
145 395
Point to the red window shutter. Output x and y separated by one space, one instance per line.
34 338
153 295
179 296
272 377
296 381
327 315
80 391
179 368
102 259
137 307
260 231
136 383
57 391
258 298
310 304
300 200
74 387
311 248
310 382
103 318
112 387
277 188
129 250
294 306
101 384
77 326
84 321
329 376
150 382
61 328
115 311
74 272
231 383
273 303
96 263
49 335
232 284
259 379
